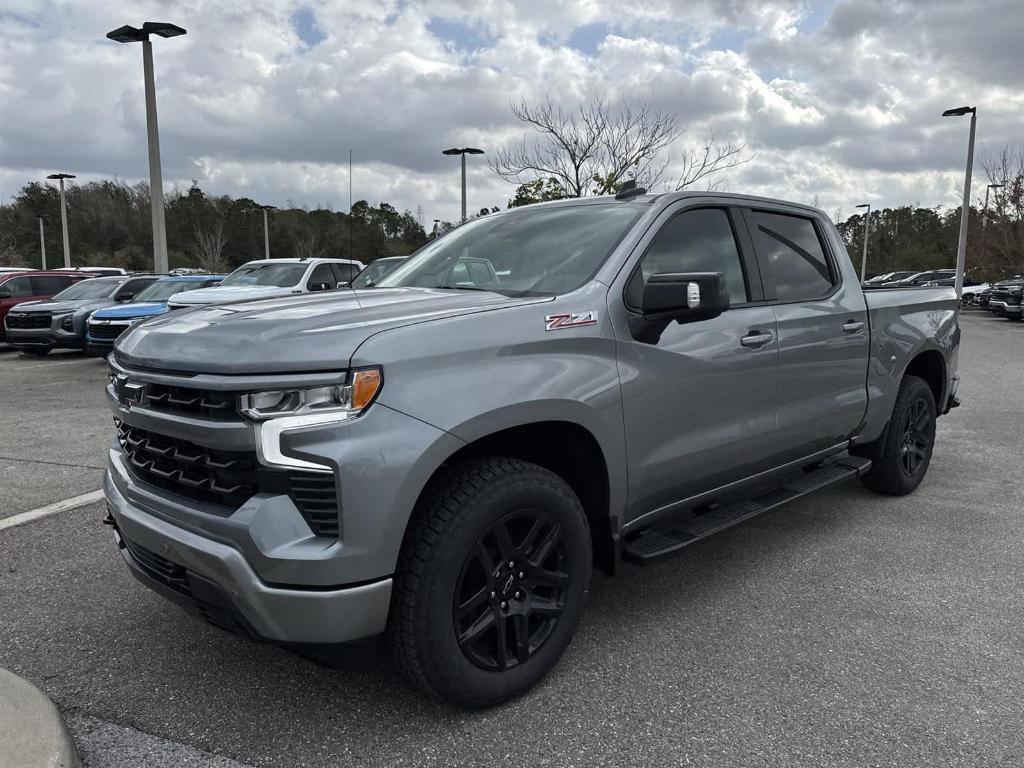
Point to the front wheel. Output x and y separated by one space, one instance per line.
491 581
901 455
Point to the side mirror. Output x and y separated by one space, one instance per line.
684 296
342 285
320 287
5 293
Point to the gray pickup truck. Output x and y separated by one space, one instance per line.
445 457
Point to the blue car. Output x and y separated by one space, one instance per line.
105 325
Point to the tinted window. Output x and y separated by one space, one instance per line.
694 241
19 287
47 285
322 276
132 287
789 247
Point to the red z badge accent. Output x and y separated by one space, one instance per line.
570 320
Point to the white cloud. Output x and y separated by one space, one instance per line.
840 100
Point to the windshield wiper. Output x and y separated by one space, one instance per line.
463 288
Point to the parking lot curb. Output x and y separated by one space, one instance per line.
32 733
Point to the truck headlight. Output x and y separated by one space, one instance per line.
67 323
278 411
345 400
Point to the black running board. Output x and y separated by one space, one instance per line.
658 543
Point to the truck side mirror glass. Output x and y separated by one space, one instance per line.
684 296
5 293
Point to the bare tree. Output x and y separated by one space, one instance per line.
307 245
209 247
709 161
591 149
1001 241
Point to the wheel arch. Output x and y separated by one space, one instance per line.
567 447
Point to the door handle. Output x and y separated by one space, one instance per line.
756 339
852 326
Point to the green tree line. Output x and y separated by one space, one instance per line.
109 224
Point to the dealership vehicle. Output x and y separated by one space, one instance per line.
370 276
1005 299
443 458
104 326
920 278
36 327
273 277
25 285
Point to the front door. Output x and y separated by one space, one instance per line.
822 331
699 403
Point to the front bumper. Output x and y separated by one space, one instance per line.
54 337
1004 309
213 579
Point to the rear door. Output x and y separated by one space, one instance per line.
699 402
822 330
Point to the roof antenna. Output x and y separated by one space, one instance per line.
629 190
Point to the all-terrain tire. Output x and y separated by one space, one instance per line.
458 517
911 430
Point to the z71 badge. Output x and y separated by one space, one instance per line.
570 320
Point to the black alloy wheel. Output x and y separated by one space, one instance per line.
511 591
918 437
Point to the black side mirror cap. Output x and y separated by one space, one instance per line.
684 296
6 294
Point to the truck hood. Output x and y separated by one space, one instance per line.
227 294
312 332
122 311
58 307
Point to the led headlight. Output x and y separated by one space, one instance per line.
348 398
278 411
67 323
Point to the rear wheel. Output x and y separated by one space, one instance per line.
901 455
491 581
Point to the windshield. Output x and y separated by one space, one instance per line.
162 290
280 275
88 289
373 273
546 250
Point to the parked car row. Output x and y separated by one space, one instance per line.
76 309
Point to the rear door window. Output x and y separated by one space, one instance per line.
791 253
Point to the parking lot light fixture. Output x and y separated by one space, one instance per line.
266 230
463 151
129 34
867 226
64 214
961 248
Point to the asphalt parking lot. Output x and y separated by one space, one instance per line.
847 629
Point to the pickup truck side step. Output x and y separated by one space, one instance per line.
659 543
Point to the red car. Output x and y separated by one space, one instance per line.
16 287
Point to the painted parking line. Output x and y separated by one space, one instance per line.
50 509
53 365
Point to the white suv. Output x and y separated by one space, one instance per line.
272 277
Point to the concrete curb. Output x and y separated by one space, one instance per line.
32 733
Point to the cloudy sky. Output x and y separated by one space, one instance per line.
839 100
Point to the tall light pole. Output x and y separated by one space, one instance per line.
463 151
984 217
42 241
965 210
266 230
64 214
129 34
867 228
